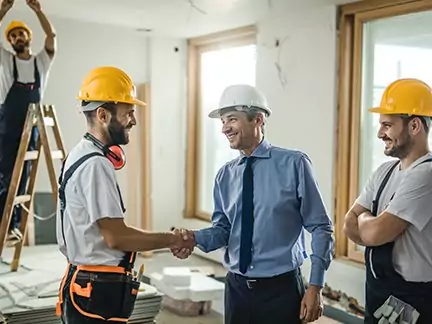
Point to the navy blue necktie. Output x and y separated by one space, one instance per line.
247 220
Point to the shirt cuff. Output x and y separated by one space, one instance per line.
199 239
317 276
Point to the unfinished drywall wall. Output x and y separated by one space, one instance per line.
81 47
299 79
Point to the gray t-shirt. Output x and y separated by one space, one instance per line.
91 194
412 202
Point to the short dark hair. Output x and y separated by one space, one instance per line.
90 115
426 121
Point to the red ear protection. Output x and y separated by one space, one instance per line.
114 153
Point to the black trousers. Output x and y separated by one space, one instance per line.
71 315
250 301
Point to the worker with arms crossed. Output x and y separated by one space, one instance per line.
23 81
263 200
392 215
91 232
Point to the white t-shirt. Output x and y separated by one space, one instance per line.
412 201
91 194
25 70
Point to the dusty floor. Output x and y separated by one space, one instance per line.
165 317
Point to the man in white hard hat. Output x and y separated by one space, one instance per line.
262 202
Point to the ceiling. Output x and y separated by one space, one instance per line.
178 18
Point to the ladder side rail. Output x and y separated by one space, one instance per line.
16 177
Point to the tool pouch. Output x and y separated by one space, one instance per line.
105 296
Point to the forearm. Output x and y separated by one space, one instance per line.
46 26
322 254
134 239
212 238
368 229
2 14
351 228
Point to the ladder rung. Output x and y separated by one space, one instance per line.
57 155
21 199
48 121
31 155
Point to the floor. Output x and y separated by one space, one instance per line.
165 317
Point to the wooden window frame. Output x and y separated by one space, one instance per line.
351 19
196 46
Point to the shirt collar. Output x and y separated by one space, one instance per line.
262 152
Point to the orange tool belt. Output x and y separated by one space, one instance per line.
99 292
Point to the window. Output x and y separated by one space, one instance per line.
379 43
215 62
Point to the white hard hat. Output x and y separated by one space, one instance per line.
241 97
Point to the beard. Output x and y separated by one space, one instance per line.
20 46
117 132
401 148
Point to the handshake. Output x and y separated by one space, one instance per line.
184 243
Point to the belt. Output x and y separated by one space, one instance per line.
255 282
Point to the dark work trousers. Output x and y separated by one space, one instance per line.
256 301
13 113
419 296
70 315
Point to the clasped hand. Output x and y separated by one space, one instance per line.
184 244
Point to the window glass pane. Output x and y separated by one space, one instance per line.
396 47
219 69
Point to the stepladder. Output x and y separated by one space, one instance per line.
20 195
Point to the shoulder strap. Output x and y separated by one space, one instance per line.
63 180
384 183
381 188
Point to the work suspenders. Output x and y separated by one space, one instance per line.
128 259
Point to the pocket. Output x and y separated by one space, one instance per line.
105 296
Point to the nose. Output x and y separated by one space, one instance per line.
225 128
381 134
133 121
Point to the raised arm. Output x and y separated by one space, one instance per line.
6 5
50 39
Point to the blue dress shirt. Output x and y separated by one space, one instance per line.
286 201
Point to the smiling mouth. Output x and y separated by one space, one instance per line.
231 136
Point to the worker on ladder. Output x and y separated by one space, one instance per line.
23 80
91 232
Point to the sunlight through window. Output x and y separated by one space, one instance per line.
218 69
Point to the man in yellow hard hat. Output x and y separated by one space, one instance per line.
91 232
24 77
392 217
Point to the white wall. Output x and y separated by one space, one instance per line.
81 47
304 117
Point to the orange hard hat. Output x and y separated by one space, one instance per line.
109 84
406 97
17 24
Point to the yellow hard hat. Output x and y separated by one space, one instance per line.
17 24
406 97
109 84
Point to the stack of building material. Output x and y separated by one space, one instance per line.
23 303
186 292
30 294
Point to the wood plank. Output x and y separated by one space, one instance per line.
369 5
341 182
